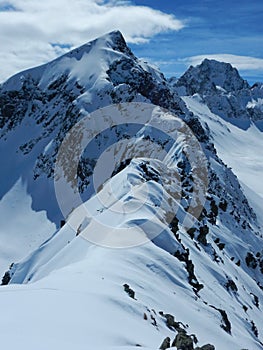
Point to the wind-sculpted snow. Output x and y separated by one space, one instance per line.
44 103
161 137
158 240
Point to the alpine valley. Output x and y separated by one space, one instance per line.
189 281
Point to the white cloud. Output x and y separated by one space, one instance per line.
27 34
240 62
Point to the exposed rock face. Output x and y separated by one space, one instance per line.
209 75
223 90
165 344
183 341
50 99
206 347
38 108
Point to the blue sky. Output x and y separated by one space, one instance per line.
171 34
211 28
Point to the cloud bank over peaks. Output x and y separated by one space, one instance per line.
29 28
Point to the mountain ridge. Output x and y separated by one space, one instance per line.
211 271
224 91
114 39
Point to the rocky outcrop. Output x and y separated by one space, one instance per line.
224 91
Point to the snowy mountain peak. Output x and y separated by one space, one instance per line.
143 176
113 40
94 57
223 90
211 75
118 42
48 100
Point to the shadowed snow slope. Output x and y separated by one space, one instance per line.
134 263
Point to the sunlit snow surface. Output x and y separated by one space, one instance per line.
242 150
68 293
75 295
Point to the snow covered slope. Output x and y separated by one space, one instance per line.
224 92
155 250
22 229
39 106
240 149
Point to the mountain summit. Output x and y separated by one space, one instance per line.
174 173
211 75
76 62
224 91
43 103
